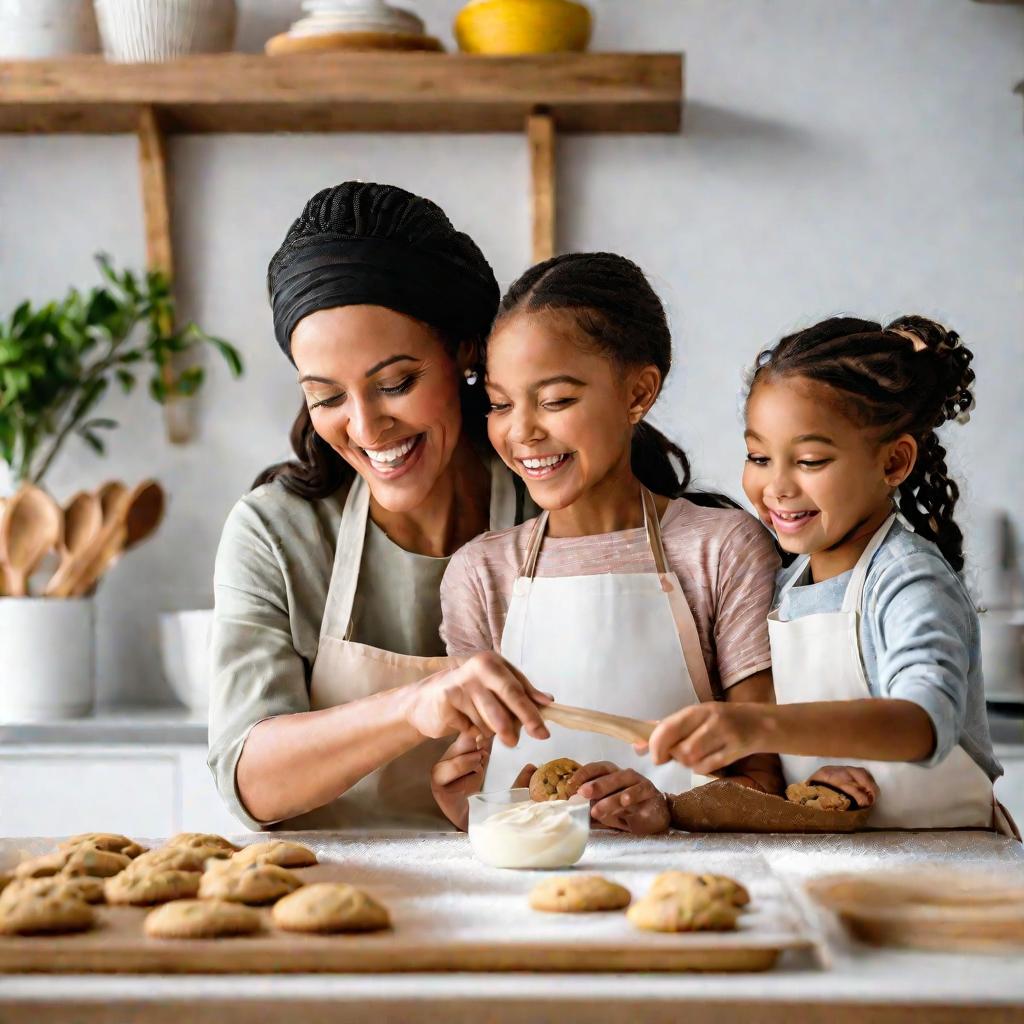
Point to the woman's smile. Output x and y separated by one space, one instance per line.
396 458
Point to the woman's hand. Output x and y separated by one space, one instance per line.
621 798
485 694
707 737
857 783
459 774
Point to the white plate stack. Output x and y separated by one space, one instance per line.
353 25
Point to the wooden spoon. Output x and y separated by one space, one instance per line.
33 524
133 517
109 494
630 730
83 520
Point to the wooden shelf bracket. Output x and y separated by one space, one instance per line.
156 206
541 138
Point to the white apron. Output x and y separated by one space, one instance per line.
396 795
624 643
817 658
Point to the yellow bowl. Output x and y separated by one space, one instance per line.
522 26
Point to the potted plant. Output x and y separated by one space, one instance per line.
57 362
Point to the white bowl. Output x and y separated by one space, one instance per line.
185 655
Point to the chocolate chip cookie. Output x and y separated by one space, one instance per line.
578 894
201 919
247 883
716 886
277 851
821 797
330 907
550 781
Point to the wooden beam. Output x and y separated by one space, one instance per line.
540 133
159 251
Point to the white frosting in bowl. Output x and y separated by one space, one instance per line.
533 835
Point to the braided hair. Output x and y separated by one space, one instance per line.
618 313
909 377
356 214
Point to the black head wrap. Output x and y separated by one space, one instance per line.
366 244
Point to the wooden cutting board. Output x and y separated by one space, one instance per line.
451 913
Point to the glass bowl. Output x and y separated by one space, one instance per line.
507 829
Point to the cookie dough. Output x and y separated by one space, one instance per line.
203 841
277 851
173 858
550 781
140 888
247 883
814 794
44 915
578 894
330 907
689 909
716 886
112 842
201 919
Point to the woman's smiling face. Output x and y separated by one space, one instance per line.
383 391
560 414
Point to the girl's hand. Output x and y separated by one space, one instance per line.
458 774
485 694
857 783
707 737
621 798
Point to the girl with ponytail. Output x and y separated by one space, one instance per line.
875 640
629 594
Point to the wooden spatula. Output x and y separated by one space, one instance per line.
619 727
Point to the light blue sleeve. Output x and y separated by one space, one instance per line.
923 625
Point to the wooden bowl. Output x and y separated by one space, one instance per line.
937 909
522 26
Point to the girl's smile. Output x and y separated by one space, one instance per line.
821 482
562 417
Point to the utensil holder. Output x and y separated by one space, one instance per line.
48 657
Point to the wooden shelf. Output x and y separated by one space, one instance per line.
372 92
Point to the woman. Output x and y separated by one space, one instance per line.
330 695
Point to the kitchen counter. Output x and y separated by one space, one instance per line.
143 726
842 981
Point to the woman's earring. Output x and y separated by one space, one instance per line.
471 377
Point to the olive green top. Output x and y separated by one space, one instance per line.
271 579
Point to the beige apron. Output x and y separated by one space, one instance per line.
625 643
817 658
396 795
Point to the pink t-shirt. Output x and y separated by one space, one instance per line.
724 558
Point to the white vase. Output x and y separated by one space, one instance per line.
47 660
185 656
37 29
147 31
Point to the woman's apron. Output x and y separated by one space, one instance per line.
396 795
624 643
817 658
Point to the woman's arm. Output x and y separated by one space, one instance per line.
294 763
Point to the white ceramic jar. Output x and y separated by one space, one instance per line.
148 31
48 657
38 29
185 655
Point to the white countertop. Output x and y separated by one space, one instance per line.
851 981
146 726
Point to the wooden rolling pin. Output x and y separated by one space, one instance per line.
630 730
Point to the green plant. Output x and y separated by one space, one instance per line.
58 361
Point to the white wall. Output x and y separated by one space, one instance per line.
864 156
